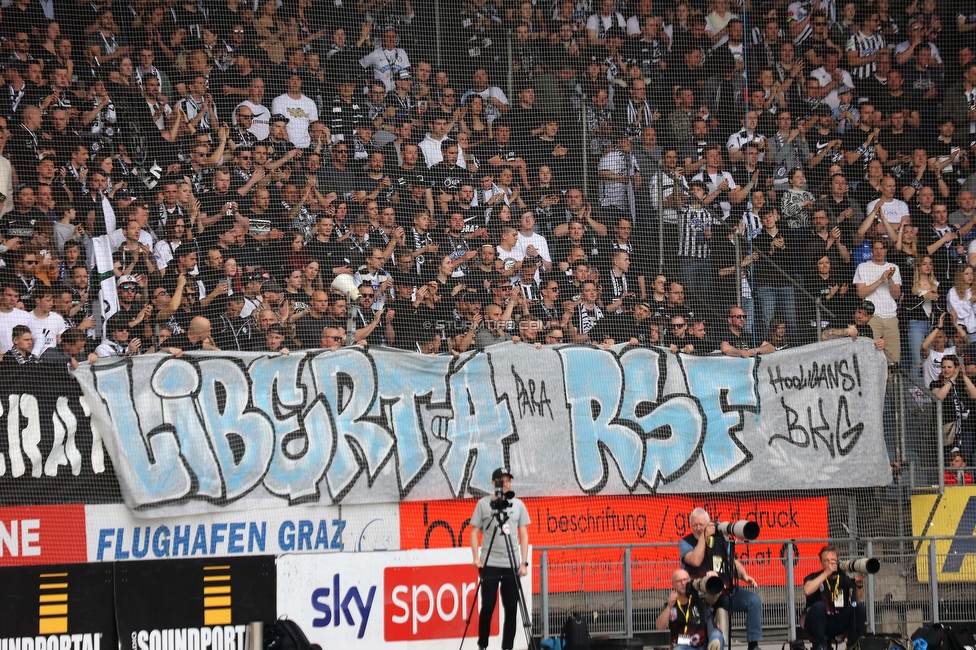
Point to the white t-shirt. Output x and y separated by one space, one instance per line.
7 323
869 273
932 364
300 112
713 181
509 259
46 331
492 112
894 210
963 308
386 64
259 125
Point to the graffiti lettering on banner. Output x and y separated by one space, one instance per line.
48 453
628 520
193 604
356 426
114 533
56 606
42 535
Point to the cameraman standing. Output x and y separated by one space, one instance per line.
493 561
688 617
832 603
708 550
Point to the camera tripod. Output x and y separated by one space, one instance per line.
501 517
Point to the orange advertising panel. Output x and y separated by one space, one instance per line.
621 520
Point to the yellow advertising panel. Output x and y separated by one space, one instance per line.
952 514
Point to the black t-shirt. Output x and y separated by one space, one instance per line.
736 341
182 341
308 330
716 556
896 143
449 178
836 592
689 621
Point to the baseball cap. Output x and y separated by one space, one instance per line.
255 277
500 473
127 279
272 286
278 117
405 75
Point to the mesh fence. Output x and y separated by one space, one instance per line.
313 271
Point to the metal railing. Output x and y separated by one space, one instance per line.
910 589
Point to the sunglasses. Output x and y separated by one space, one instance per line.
238 31
128 287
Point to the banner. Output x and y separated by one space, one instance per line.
213 431
407 599
580 521
57 606
42 535
114 533
192 604
47 452
952 514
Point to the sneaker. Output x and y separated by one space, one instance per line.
714 644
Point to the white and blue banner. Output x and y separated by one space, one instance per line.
213 431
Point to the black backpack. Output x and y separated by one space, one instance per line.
961 638
931 637
576 633
285 634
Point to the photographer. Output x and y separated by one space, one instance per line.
832 599
493 561
688 616
706 549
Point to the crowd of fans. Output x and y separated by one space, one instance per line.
687 173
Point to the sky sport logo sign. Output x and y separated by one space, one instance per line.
431 602
363 601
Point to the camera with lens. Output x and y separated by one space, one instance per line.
744 529
500 500
708 585
862 565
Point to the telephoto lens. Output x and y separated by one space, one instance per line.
860 565
744 529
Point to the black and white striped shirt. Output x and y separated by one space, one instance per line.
864 46
692 224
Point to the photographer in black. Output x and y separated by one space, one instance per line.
833 603
689 617
492 559
705 550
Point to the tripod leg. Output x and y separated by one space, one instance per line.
477 591
523 608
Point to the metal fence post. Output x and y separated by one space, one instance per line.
544 593
869 552
940 455
934 580
628 597
790 593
